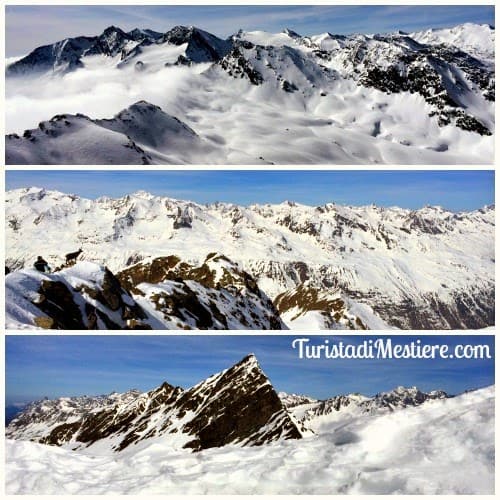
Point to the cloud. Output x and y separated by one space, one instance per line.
100 90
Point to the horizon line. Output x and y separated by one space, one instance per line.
285 201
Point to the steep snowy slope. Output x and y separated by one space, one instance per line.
324 267
236 406
443 446
259 97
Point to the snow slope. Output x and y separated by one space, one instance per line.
259 98
329 266
476 39
440 447
136 135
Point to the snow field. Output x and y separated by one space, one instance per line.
441 447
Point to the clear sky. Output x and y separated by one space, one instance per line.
30 26
52 366
452 189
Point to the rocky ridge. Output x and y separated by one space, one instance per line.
383 402
444 74
237 406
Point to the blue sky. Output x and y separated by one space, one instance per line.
32 25
453 189
38 365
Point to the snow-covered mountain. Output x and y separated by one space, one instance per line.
291 400
236 406
418 444
60 138
476 40
39 417
179 264
257 97
351 405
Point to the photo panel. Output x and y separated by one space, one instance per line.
250 250
255 414
250 85
292 207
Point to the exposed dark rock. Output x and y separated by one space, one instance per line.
183 219
238 66
236 406
69 308
56 300
420 75
159 269
305 298
61 434
467 310
201 46
288 86
401 397
240 404
65 54
183 301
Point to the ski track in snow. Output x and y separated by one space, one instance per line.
441 447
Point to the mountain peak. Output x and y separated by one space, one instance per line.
113 29
139 33
249 361
236 406
144 105
274 261
291 33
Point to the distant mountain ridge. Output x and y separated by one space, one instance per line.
441 446
358 404
236 406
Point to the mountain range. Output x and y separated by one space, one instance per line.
236 406
155 262
257 97
232 432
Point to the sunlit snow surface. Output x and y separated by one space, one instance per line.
53 223
400 254
441 447
331 120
